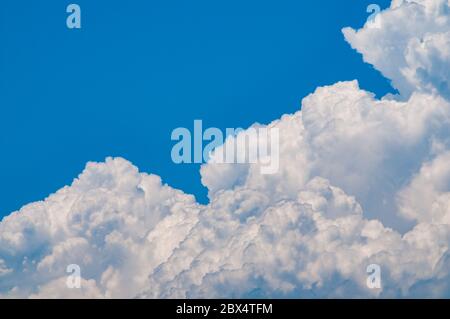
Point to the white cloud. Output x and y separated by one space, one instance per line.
361 181
411 47
370 148
427 197
3 269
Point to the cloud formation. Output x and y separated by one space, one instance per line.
411 47
361 181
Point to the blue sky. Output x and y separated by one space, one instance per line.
138 69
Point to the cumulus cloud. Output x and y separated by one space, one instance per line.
427 197
411 46
361 181
370 148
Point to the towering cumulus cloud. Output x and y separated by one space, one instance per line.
361 181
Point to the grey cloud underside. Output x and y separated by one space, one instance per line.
361 181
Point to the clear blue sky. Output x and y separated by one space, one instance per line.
138 69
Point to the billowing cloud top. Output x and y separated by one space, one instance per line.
411 46
361 181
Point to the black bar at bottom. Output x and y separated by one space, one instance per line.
226 308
